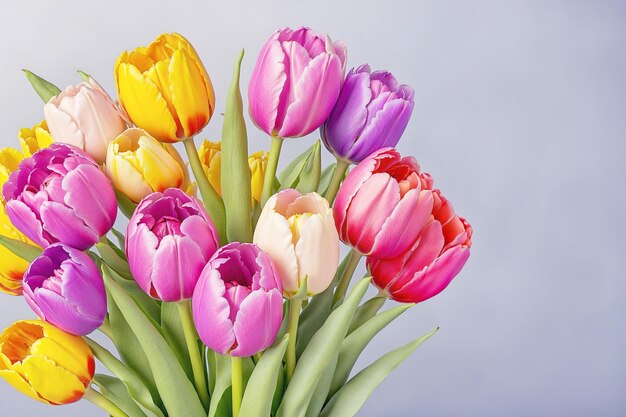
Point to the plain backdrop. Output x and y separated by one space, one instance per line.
519 116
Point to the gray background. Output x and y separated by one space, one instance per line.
520 118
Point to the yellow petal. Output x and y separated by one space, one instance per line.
159 74
186 184
211 158
12 270
9 160
35 138
257 162
71 357
160 170
189 93
51 382
145 104
19 383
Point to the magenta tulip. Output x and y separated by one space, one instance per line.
60 195
238 303
436 258
63 287
296 82
169 239
383 204
371 113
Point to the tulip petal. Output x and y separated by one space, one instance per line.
63 224
211 313
141 245
63 127
314 97
202 233
177 266
23 218
145 104
19 383
55 384
160 170
258 321
127 178
72 356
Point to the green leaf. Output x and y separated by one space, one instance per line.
134 385
327 175
318 400
115 390
349 399
319 354
279 392
129 348
84 75
355 343
257 401
290 176
114 260
175 335
236 191
366 312
178 393
221 395
147 304
310 176
44 89
127 207
121 239
19 248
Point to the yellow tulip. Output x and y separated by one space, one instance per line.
35 138
211 157
45 363
12 267
137 165
165 88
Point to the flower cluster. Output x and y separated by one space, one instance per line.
249 271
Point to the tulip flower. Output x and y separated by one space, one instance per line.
85 116
295 82
298 232
169 239
383 205
63 286
165 89
137 165
238 304
210 154
45 363
60 195
434 260
35 138
371 113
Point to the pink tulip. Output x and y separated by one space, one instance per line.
296 82
169 239
383 204
238 303
298 232
436 258
85 116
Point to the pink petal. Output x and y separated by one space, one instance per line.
177 266
141 246
23 218
258 322
63 224
201 232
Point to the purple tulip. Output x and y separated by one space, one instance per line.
238 303
371 113
169 239
296 82
63 287
60 195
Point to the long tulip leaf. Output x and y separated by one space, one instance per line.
319 354
19 248
221 395
115 390
354 344
177 391
175 335
327 175
366 311
310 176
349 399
257 401
236 189
318 400
136 388
44 89
114 260
290 176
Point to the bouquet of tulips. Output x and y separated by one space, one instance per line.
236 303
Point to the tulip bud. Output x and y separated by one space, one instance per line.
383 204
60 195
137 165
371 113
434 260
64 287
237 304
295 82
169 239
211 157
35 138
85 116
165 89
298 232
45 363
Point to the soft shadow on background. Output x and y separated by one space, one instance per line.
519 116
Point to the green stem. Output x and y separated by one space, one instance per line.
344 281
270 172
338 174
212 201
104 403
295 304
237 381
197 364
105 328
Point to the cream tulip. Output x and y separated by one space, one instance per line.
298 232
